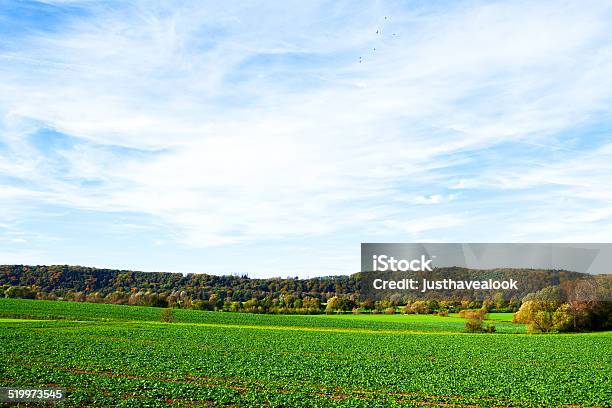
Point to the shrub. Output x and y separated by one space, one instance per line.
420 307
489 328
478 313
473 325
22 292
474 319
167 315
390 310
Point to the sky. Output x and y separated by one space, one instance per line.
272 138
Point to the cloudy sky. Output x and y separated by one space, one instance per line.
272 138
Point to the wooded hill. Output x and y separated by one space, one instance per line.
117 286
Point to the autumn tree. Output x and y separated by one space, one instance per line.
544 311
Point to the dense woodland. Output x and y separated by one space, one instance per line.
286 295
165 289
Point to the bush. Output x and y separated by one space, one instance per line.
474 321
473 326
469 314
390 310
419 307
167 315
489 328
20 292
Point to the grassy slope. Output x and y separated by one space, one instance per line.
247 360
41 309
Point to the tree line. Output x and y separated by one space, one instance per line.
230 292
561 309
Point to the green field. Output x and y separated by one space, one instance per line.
109 355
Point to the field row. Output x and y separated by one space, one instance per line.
54 310
130 363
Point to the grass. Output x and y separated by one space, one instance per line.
124 356
55 310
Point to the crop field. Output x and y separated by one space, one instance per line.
107 355
52 310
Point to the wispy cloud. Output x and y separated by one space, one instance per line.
249 123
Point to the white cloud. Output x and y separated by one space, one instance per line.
250 122
418 226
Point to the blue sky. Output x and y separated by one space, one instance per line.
247 137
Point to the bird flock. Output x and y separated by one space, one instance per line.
379 34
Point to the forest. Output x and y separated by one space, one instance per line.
548 300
